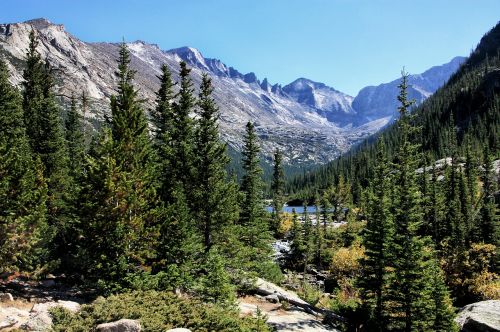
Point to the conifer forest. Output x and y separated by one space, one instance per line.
144 216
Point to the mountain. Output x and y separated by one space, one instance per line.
375 102
463 113
334 105
309 121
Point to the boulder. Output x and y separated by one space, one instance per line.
273 298
122 325
6 297
480 317
40 319
48 283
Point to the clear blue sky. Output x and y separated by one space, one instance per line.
347 44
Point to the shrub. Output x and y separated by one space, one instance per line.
157 311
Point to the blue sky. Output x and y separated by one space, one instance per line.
347 44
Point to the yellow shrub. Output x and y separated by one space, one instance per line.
346 262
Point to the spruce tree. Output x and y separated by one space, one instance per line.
489 229
255 233
163 119
75 140
297 246
377 240
23 228
410 303
119 197
183 134
33 76
45 129
277 189
214 204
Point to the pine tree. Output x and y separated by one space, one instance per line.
214 205
471 178
45 129
75 140
33 76
215 285
442 308
23 228
410 304
297 246
183 134
489 229
119 196
254 227
278 189
318 234
454 217
377 240
163 119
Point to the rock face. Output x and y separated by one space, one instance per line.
122 325
375 102
480 317
309 121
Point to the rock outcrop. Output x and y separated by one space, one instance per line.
480 317
122 325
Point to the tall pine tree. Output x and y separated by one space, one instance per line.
23 228
215 202
277 189
377 239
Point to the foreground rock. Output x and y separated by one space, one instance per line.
283 320
17 314
480 317
6 297
122 325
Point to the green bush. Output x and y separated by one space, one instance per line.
157 311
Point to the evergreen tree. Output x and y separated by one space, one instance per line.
45 129
183 134
255 233
215 285
489 211
377 240
318 234
297 246
410 303
163 119
75 140
119 196
471 178
442 308
33 76
277 189
23 228
215 203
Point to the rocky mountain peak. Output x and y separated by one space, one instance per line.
39 23
190 55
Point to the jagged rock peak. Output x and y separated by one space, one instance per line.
40 23
144 43
189 54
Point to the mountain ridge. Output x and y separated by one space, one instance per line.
310 129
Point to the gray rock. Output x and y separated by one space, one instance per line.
480 317
122 325
48 283
40 319
6 297
273 298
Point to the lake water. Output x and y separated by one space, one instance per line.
298 209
